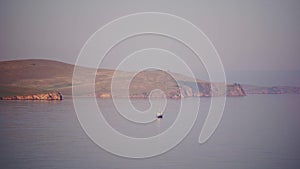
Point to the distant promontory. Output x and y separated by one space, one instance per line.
37 79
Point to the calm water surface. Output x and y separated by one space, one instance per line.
257 131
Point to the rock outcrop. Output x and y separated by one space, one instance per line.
43 96
187 89
205 89
104 95
235 90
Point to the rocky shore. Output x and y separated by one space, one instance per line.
187 89
42 96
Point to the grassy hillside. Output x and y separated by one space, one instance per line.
23 77
34 76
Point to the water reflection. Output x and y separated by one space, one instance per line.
256 132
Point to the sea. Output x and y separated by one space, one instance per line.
256 131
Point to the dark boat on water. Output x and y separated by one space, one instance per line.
159 115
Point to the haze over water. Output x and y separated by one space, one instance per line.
257 131
258 41
258 44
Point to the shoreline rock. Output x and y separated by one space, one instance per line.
42 96
185 90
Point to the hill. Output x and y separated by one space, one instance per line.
26 77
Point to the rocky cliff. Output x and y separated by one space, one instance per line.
43 96
144 83
188 89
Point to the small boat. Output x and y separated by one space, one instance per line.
159 115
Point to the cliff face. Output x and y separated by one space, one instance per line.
204 89
187 89
43 96
145 83
235 90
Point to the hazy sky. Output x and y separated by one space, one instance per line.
250 36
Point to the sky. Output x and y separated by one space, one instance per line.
258 41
